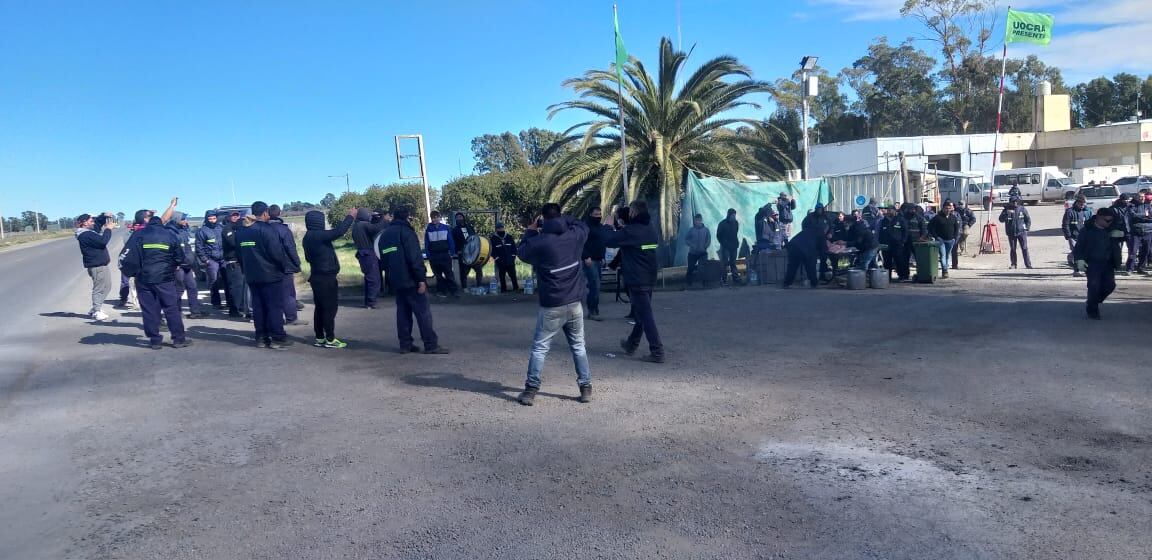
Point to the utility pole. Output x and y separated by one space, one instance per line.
807 63
419 138
347 183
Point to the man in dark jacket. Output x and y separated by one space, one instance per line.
1075 218
186 271
593 256
291 309
237 292
871 214
1140 216
860 236
441 249
159 253
93 239
638 243
363 235
784 207
400 255
698 239
728 235
461 233
1096 255
821 222
210 252
945 227
1016 222
967 220
917 229
266 265
321 257
803 251
554 246
894 236
503 248
1122 222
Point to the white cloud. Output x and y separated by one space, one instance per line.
863 10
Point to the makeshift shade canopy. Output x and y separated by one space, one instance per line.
712 197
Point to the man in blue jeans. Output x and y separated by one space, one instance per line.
554 246
946 228
594 261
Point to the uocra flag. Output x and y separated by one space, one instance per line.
1028 27
621 54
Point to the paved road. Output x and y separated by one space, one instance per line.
982 417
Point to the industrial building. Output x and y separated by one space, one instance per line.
1102 153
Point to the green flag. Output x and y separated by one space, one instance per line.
1025 27
621 53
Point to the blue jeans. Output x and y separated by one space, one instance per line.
592 275
866 259
946 246
549 321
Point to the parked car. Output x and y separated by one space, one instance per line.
1037 184
1133 183
1096 196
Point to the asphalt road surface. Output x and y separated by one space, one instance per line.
980 417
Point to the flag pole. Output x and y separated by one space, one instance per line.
620 109
996 141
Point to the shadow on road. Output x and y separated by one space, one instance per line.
110 338
458 382
66 315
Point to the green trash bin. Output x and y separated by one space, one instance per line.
927 261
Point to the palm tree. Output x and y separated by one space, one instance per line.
667 131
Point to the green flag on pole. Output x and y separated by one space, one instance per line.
1022 27
621 53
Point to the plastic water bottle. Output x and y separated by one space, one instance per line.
753 278
493 288
529 285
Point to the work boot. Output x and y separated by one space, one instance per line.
296 323
944 274
436 350
628 347
594 317
1077 274
155 346
279 344
653 358
262 342
410 349
1093 312
528 396
299 306
585 393
182 344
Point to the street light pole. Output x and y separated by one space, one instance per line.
347 183
807 63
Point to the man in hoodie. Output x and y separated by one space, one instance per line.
1122 222
363 234
266 264
186 270
917 229
1140 216
210 252
554 246
945 227
638 242
441 249
1096 255
728 234
593 255
504 252
820 221
158 254
894 237
237 292
93 239
698 239
1017 222
871 214
1075 218
803 251
291 309
461 233
400 255
321 257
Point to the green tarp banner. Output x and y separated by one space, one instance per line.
1028 27
712 197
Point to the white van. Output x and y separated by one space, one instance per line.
1037 184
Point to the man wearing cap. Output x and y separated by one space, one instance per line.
364 231
400 255
186 270
237 291
784 207
157 253
93 238
291 309
1096 255
504 252
210 252
266 265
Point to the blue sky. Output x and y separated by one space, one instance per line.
119 105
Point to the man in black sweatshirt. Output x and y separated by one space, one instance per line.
554 246
93 238
291 306
401 257
462 231
153 254
728 235
321 257
504 253
237 288
1096 255
266 265
638 242
363 234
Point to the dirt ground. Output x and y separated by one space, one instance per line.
980 417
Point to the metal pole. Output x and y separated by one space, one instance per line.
424 178
36 214
623 143
804 120
996 142
1 225
347 183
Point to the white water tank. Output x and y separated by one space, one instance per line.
1045 88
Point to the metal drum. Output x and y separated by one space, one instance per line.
856 279
476 251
